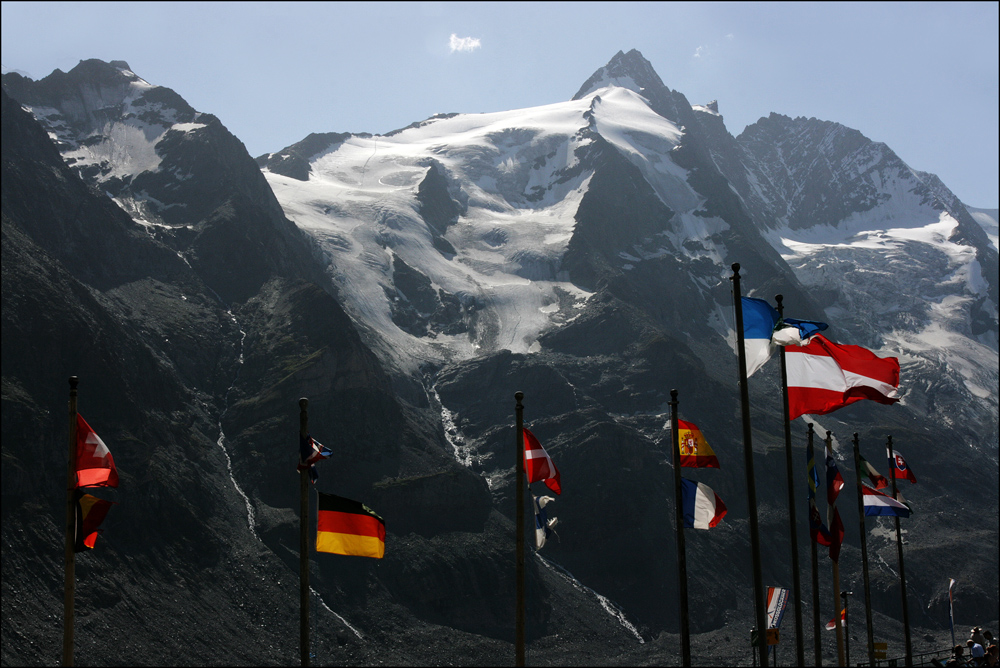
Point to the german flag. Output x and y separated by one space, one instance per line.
349 527
90 512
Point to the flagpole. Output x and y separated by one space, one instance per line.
69 593
799 654
836 573
899 551
864 553
304 540
817 646
519 539
679 519
758 586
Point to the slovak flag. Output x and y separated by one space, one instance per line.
703 508
824 376
902 470
877 503
538 465
95 467
310 452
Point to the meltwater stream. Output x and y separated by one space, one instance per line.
251 522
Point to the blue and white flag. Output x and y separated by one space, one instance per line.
764 330
543 525
759 319
703 508
877 503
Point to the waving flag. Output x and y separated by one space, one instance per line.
349 528
817 529
90 512
543 525
759 319
951 609
836 535
824 376
538 465
703 508
310 452
695 450
878 480
832 624
901 469
764 329
834 481
95 467
877 503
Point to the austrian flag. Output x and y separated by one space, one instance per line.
824 376
538 465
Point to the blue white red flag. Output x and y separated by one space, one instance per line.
834 481
703 508
900 467
310 452
877 503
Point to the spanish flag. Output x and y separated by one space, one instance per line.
349 527
695 450
90 512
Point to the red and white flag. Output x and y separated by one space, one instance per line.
95 467
824 376
538 465
832 624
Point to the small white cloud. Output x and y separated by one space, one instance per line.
698 52
729 36
463 43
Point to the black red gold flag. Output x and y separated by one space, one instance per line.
349 527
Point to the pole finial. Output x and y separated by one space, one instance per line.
778 299
73 381
673 395
303 403
518 396
736 268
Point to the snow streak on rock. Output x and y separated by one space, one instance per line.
609 606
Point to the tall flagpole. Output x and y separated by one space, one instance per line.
70 559
899 550
864 553
519 539
836 571
758 578
303 539
679 519
792 518
817 647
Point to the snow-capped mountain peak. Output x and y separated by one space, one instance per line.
628 70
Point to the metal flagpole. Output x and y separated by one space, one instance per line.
817 647
758 586
864 553
797 592
519 540
304 540
70 560
679 518
899 550
847 636
836 572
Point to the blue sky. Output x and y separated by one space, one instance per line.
921 77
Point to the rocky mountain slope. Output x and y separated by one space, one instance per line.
409 284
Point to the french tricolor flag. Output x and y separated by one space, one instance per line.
824 376
703 508
877 503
